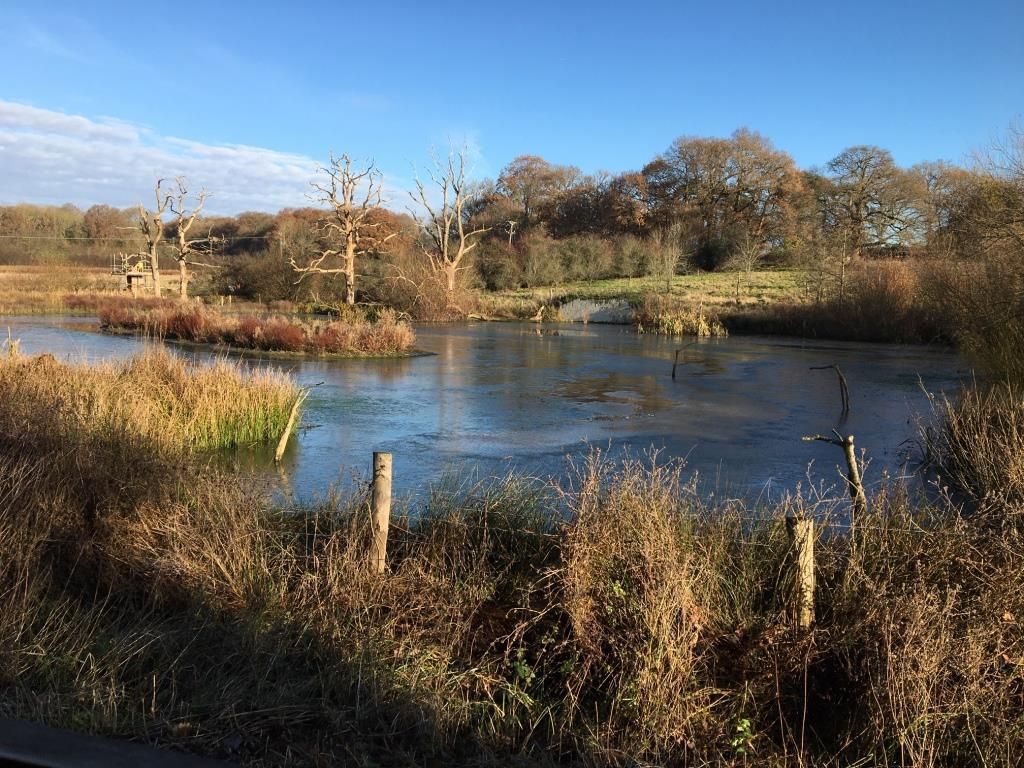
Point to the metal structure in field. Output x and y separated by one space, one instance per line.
136 270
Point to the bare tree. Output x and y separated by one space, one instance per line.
667 247
448 237
151 225
185 248
747 254
352 195
871 197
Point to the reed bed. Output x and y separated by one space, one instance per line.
671 317
976 443
157 399
355 335
614 619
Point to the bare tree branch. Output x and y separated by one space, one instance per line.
347 222
186 219
447 237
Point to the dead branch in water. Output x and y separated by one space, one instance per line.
675 364
844 389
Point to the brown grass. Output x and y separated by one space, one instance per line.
614 620
883 301
157 399
39 290
976 444
356 335
670 317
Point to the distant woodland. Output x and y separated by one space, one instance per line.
703 204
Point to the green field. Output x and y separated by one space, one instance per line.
712 288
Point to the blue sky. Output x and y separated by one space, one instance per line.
268 89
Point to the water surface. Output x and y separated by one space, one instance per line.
499 396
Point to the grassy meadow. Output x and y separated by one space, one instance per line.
64 289
30 290
713 289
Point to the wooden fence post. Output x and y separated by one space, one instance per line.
380 510
801 536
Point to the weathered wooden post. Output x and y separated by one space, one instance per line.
801 537
380 510
282 443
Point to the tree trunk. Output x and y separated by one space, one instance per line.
450 275
350 271
183 276
154 263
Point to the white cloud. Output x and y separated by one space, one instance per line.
52 157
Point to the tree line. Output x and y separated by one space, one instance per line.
703 203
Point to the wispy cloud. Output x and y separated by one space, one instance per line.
44 41
53 157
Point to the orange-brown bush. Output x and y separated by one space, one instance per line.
882 301
354 335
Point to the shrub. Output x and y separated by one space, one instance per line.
672 317
283 335
984 304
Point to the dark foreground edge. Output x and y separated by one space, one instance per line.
29 744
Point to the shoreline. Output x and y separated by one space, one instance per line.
245 352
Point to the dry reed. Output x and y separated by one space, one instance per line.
354 336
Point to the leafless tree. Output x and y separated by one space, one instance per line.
186 247
447 236
747 254
871 198
352 195
151 225
667 247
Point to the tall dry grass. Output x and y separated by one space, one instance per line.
672 317
156 399
977 443
355 335
613 620
882 301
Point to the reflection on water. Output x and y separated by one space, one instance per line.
497 396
